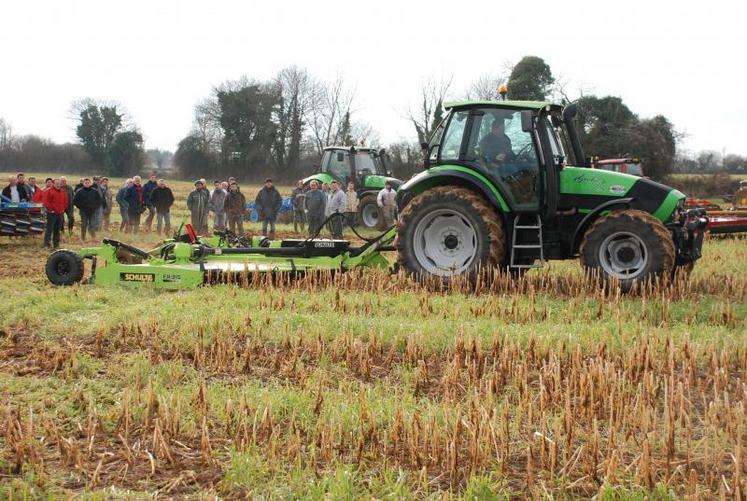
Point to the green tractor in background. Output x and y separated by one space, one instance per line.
507 185
365 167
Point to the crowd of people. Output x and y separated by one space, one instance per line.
94 200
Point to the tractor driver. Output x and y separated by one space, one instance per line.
496 146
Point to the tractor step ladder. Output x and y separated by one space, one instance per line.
536 229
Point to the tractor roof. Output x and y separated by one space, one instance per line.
522 105
347 148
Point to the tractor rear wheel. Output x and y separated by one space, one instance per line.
631 246
368 212
449 231
64 267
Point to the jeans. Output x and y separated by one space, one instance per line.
163 217
151 215
264 226
125 218
219 222
236 221
87 224
70 215
98 219
335 227
133 222
315 223
52 232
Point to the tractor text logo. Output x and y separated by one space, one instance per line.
137 277
592 181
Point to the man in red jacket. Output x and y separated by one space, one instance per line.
38 196
55 201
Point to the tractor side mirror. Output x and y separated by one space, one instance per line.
527 121
340 156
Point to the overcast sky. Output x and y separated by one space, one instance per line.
685 60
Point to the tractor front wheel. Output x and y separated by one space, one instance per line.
368 212
449 231
64 267
631 246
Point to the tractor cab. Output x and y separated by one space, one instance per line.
630 166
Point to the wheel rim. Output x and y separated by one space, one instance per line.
445 243
370 215
62 268
623 255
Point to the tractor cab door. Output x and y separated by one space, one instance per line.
493 142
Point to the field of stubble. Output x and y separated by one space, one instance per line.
367 385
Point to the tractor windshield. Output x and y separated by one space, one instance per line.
368 163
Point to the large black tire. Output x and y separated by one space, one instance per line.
64 267
631 246
470 211
366 207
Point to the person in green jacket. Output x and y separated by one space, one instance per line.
198 202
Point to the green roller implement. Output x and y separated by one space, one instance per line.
505 186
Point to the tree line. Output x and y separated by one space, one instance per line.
251 129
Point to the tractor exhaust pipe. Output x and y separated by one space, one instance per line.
569 113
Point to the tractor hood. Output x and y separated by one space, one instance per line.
377 182
585 189
321 177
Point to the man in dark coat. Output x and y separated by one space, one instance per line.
268 203
148 188
162 199
135 199
87 200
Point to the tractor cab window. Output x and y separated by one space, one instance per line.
365 164
338 165
451 144
499 147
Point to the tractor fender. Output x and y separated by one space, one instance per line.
592 216
457 177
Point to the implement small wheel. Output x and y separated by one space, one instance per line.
450 231
631 246
64 267
368 212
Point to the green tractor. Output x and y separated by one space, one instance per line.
366 168
507 185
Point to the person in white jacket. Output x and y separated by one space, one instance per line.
337 203
388 204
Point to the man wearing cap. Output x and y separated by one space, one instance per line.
268 203
198 203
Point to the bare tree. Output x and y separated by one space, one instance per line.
6 135
329 113
296 89
206 124
485 87
429 112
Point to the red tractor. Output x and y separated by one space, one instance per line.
630 166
